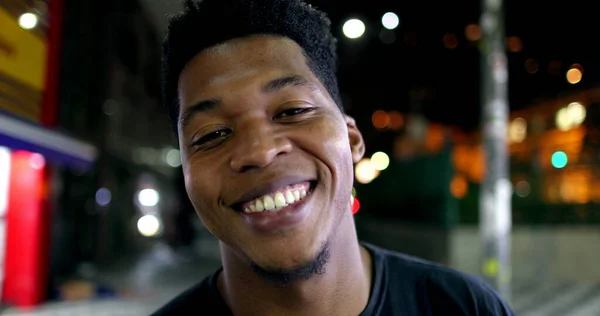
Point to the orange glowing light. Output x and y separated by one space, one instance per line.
514 44
574 75
380 119
460 157
459 186
434 140
473 32
396 120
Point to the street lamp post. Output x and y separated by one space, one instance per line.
495 207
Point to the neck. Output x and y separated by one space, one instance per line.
343 289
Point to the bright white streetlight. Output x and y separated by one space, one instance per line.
390 20
28 21
354 28
148 225
148 197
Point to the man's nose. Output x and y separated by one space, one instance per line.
257 145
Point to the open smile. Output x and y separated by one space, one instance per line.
279 208
278 199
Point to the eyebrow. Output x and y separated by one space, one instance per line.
283 82
272 86
203 106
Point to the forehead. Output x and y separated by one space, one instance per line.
241 59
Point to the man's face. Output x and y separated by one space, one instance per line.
256 125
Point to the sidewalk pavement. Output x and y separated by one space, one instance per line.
161 274
156 277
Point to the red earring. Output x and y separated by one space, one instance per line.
355 205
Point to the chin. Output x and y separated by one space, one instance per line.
291 257
289 266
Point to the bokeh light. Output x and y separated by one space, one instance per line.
28 21
473 32
103 196
380 119
459 186
559 159
173 158
517 130
514 44
522 189
365 171
148 197
380 160
577 112
37 161
390 20
574 75
148 225
396 120
354 28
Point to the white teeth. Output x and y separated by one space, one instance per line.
280 200
289 197
269 203
259 205
276 201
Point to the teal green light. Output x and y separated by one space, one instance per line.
559 159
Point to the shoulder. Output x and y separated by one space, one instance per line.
203 295
438 287
464 292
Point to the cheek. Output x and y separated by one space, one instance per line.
337 156
332 140
337 146
199 194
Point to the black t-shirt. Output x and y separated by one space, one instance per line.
402 285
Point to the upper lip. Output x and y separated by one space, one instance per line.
268 187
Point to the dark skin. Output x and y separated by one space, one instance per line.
258 128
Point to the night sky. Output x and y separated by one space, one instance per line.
374 75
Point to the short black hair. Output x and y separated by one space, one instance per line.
206 23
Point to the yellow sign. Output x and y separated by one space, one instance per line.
24 55
22 68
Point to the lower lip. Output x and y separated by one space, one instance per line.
271 221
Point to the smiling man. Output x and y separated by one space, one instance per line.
268 158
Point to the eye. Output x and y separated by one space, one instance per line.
291 112
212 139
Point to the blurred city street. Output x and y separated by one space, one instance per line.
160 274
481 150
150 281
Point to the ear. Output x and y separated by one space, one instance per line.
357 143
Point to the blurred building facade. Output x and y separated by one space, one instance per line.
80 112
554 162
554 165
423 198
33 149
